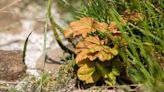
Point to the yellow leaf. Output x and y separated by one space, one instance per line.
95 77
106 49
114 50
95 49
101 56
87 72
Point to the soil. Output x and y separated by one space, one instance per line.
12 66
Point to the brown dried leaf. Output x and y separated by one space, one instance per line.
100 26
81 27
133 16
114 29
82 55
136 17
68 33
94 50
84 26
89 42
93 39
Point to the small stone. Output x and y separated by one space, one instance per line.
12 66
53 62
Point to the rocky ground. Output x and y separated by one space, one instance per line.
17 20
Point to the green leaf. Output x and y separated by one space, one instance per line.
25 47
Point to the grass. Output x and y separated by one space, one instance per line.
145 68
25 47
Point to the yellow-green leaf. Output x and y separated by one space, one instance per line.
87 72
114 50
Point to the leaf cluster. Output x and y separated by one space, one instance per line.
93 49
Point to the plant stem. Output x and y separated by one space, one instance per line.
44 46
54 28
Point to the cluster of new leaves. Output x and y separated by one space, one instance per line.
91 51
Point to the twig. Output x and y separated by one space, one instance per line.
9 82
11 4
10 42
5 11
120 86
69 90
150 4
39 19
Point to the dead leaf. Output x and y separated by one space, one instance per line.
93 49
114 29
133 16
84 26
81 27
100 26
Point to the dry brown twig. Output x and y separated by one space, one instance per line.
155 8
9 5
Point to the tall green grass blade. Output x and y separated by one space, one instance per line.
25 47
